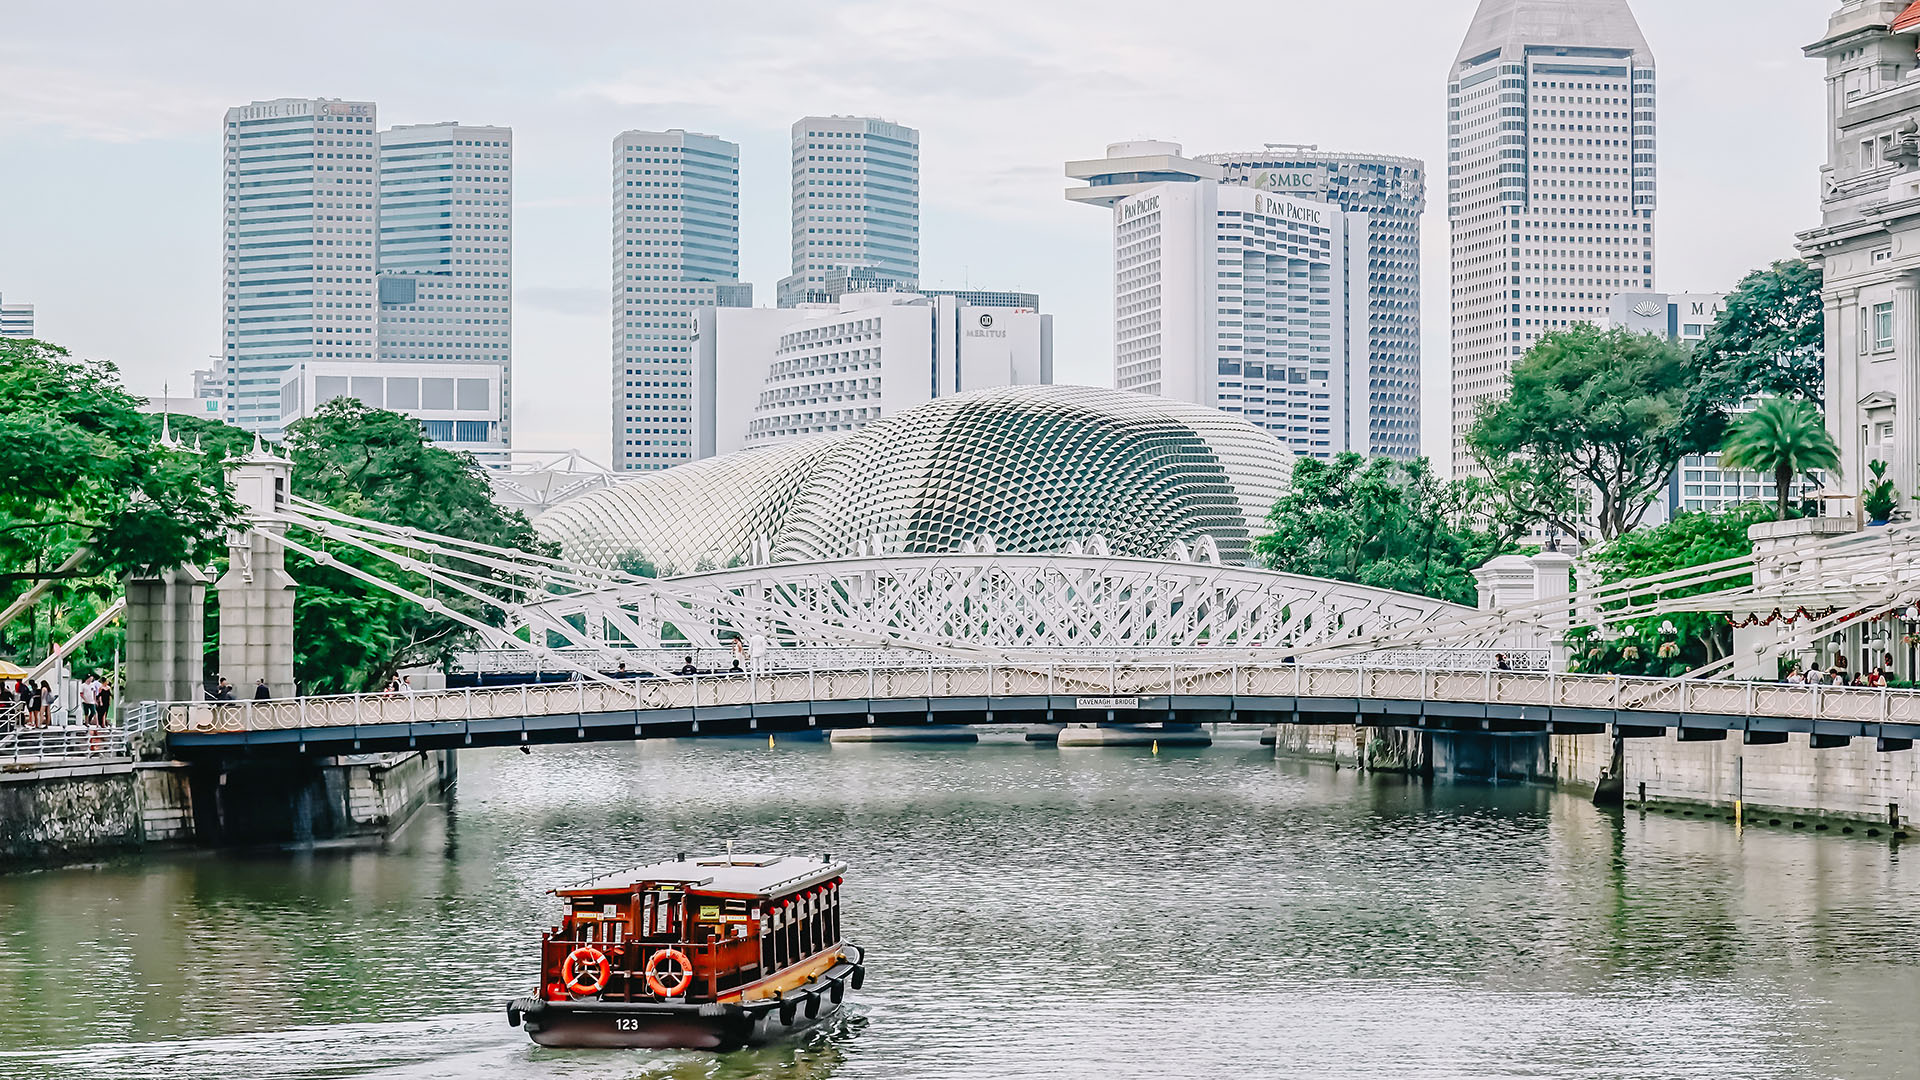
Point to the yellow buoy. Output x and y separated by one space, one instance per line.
1156 747
769 740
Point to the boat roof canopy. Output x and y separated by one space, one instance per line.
766 876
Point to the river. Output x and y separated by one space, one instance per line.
1030 912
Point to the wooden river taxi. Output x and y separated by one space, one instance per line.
706 954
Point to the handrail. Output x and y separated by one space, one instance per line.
1087 678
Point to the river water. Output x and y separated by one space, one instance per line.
1030 912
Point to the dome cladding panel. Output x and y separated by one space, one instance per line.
1034 467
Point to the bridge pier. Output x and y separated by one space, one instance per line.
301 800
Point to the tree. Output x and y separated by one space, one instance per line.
1589 410
86 475
1783 437
1637 645
348 634
1383 523
1770 340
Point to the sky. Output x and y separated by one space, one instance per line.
111 114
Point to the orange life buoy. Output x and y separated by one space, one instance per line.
585 971
682 973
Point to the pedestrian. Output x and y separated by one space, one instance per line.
104 704
687 667
33 700
224 691
1838 674
260 691
1797 676
89 697
757 652
46 703
1500 662
406 685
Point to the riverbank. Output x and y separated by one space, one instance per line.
86 810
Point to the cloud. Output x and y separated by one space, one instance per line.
76 101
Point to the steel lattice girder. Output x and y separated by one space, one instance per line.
996 603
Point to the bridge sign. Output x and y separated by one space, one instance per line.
1106 703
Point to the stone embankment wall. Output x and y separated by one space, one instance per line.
1349 746
83 811
1851 783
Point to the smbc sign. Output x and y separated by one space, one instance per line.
1290 181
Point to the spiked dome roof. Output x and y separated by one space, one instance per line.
1509 26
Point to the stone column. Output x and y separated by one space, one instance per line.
256 594
1553 579
166 636
1842 380
1906 417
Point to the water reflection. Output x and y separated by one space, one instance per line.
1029 912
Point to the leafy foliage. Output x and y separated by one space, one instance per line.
1589 410
1382 523
1770 340
1784 438
348 634
1691 539
84 469
90 496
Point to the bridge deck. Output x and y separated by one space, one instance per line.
1498 702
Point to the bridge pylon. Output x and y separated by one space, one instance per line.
256 592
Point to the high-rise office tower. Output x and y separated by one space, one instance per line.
1550 182
446 252
1392 192
16 320
676 249
301 246
856 202
1231 297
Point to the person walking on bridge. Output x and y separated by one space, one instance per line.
260 691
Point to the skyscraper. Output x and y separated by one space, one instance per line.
446 249
300 249
16 320
1550 181
1235 298
1392 192
856 202
676 249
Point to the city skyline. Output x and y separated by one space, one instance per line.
990 201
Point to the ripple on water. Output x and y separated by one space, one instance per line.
1030 913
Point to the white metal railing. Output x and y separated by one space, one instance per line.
707 661
1107 681
49 745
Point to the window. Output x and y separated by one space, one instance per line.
1882 327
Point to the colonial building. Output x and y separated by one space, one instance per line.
1868 241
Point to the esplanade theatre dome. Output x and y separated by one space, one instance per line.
1034 468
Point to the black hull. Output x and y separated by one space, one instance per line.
651 1025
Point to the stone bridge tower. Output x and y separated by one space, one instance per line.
256 593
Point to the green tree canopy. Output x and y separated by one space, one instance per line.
1690 539
85 471
1783 438
1589 410
350 635
1770 340
1383 523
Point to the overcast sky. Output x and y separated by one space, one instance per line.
110 127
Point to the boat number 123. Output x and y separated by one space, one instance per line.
622 1024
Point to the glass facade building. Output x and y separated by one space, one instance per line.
856 203
676 249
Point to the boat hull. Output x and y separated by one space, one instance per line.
666 1025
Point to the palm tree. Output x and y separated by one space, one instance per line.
1782 436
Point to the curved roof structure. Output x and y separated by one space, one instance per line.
1022 468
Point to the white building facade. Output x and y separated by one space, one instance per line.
1247 302
856 203
456 403
1392 192
300 249
1868 242
1551 182
767 376
16 320
676 250
446 250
